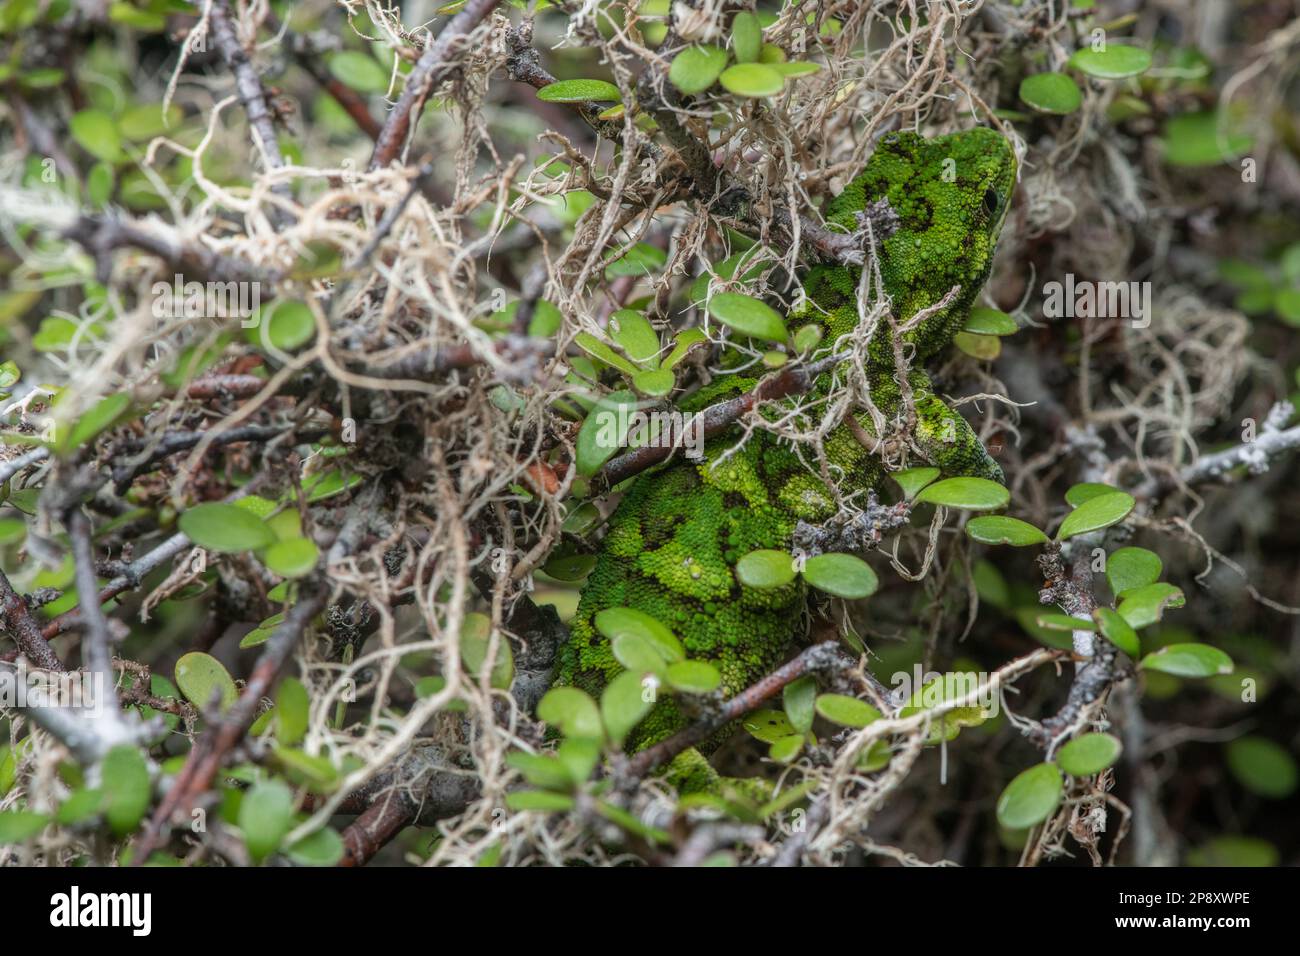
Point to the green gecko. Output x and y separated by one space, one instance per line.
675 538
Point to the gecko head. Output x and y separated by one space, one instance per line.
949 197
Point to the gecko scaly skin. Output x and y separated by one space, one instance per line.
674 540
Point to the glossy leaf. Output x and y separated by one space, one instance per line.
1188 660
202 678
971 494
845 710
1030 798
748 316
1089 754
225 528
578 91
1000 529
843 575
1095 514
765 569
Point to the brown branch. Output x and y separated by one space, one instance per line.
375 827
433 65
25 630
100 235
248 86
792 380
225 386
819 657
210 750
309 55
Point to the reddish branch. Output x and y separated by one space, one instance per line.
374 828
310 57
100 235
211 750
434 64
26 632
819 657
226 386
248 86
793 380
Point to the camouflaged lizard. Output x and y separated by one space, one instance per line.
675 538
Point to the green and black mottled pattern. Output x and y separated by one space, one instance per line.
675 538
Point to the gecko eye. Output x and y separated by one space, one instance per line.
992 201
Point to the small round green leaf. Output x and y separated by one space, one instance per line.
694 677
634 335
614 621
800 699
475 644
1089 754
641 260
359 71
1051 93
912 480
768 726
604 429
1030 798
999 529
1262 767
748 316
765 569
1086 491
983 347
572 710
1188 660
842 575
1204 139
18 826
1234 851
225 528
292 558
796 68
1146 605
972 494
265 816
746 36
786 749
578 91
124 778
1115 62
985 321
697 68
845 710
1095 514
655 383
202 678
1118 631
286 325
1130 568
637 654
623 704
322 848
292 712
96 133
539 800
755 80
